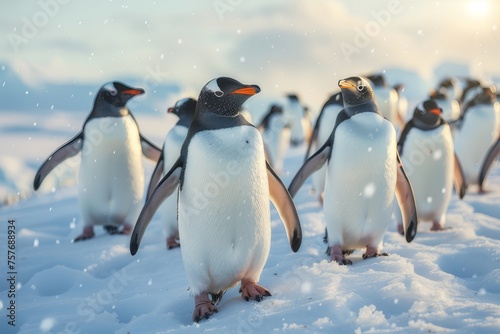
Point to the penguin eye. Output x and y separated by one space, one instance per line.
218 93
422 111
110 88
360 86
113 92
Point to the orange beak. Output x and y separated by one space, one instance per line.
345 84
133 91
435 111
170 110
252 90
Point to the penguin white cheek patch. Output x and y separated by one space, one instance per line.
214 87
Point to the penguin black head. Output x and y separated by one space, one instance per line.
427 114
356 91
487 95
186 106
293 97
117 93
440 94
378 80
224 96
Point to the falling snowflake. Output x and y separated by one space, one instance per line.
429 199
369 190
437 154
36 243
47 324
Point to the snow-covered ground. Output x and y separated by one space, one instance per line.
442 282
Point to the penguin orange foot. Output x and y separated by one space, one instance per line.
203 307
337 255
172 242
372 252
88 233
251 290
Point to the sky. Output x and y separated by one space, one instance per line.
281 45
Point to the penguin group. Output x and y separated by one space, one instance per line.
217 173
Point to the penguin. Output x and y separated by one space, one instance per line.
300 124
185 110
364 172
471 87
111 176
386 98
427 151
223 199
450 107
451 87
477 136
275 129
402 105
322 128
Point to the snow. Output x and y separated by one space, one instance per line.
445 281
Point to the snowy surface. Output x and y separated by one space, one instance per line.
442 282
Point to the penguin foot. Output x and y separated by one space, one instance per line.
436 226
111 229
372 252
337 255
172 242
401 229
251 290
203 307
88 233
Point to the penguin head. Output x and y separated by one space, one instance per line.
427 114
117 93
186 106
356 91
486 95
292 97
378 80
225 96
440 94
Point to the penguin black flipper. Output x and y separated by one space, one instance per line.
156 176
459 179
150 150
286 209
69 149
406 200
314 163
314 136
165 188
491 156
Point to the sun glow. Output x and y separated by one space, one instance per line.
478 8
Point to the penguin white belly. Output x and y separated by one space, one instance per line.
428 157
277 139
360 182
224 210
111 184
295 113
451 109
478 132
172 148
325 129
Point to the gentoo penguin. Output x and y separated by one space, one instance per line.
184 109
451 88
386 98
477 136
223 207
321 132
364 173
427 152
275 129
471 87
300 124
111 180
449 106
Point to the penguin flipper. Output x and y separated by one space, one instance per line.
491 156
314 163
459 179
286 208
150 150
165 188
67 150
404 195
156 176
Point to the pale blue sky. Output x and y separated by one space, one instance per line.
281 45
